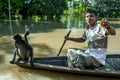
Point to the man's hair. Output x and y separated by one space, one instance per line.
92 11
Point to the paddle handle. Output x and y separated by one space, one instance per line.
63 43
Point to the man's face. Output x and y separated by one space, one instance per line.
90 18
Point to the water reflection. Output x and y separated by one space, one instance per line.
18 26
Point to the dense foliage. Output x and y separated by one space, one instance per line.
54 9
16 5
108 8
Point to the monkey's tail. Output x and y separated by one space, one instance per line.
25 36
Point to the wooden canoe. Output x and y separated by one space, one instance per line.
59 64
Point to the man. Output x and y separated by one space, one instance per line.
97 37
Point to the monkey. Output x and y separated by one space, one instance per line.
22 48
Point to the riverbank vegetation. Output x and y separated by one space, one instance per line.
55 9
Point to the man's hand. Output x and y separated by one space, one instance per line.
105 23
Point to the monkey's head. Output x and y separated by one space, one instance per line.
17 38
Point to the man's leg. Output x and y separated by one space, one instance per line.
74 58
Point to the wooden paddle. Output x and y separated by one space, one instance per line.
63 43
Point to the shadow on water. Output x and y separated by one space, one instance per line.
43 49
8 47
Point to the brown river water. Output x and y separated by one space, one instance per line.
48 44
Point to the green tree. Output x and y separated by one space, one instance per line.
108 8
15 7
53 9
3 9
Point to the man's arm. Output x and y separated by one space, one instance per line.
75 39
111 30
